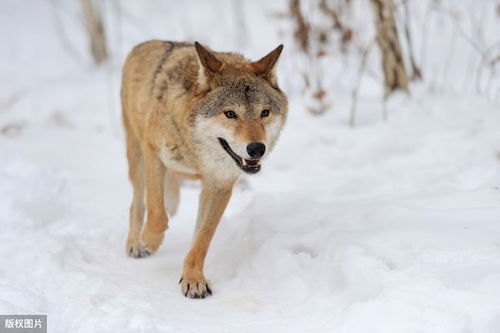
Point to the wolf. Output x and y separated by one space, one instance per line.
192 113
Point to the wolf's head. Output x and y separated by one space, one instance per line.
241 110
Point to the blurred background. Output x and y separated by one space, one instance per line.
378 209
340 55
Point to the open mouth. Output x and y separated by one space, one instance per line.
249 166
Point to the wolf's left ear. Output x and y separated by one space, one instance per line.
266 66
209 65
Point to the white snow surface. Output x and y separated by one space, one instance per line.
392 226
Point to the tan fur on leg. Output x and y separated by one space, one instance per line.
214 199
135 248
157 221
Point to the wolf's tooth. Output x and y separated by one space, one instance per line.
244 162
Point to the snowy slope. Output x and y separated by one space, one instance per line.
388 227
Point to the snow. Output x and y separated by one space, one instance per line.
391 226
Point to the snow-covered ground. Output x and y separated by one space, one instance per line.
388 227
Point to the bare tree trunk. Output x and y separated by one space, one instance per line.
95 29
395 75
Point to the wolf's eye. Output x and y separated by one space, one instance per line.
264 113
230 114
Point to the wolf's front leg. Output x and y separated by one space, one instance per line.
213 202
157 221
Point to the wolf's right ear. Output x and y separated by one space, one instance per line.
209 65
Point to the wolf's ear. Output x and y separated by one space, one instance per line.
267 64
209 64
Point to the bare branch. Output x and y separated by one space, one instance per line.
302 30
416 73
95 29
65 41
357 87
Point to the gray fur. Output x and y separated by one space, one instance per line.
248 92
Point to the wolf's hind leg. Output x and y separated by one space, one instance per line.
171 189
157 220
137 178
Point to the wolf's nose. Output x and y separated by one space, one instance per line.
256 149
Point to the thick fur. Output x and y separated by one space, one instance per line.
174 99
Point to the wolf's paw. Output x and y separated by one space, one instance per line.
152 240
137 250
195 287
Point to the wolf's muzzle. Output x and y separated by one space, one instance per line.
248 166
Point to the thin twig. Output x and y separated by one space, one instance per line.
65 41
357 87
416 73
